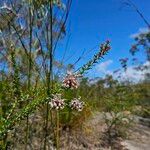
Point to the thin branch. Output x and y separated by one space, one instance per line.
130 3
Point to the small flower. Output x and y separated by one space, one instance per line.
71 81
76 104
57 102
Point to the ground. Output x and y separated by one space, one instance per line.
90 139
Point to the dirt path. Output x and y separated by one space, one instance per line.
139 138
94 128
139 134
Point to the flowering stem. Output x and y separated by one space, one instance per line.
104 48
57 130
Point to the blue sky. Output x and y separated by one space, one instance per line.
93 21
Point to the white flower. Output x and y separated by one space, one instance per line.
70 81
76 104
57 102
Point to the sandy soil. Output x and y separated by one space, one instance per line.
139 133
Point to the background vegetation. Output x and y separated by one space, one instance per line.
30 75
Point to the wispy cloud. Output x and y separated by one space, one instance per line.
103 67
141 30
131 74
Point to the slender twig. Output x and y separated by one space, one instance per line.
82 56
29 71
62 61
19 36
68 5
49 73
129 2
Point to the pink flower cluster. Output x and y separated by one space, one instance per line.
57 102
70 81
76 104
